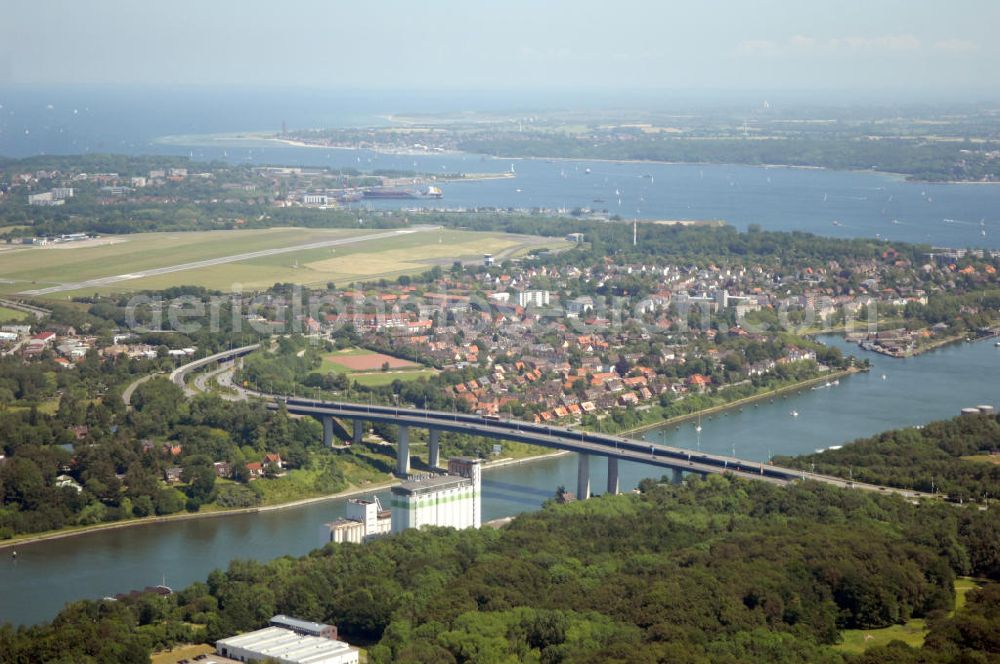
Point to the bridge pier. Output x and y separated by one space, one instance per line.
403 452
359 430
677 476
327 431
433 456
612 475
583 476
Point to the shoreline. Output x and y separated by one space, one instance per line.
353 491
489 465
148 521
712 410
215 139
291 142
930 347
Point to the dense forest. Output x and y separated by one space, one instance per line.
115 460
720 570
927 458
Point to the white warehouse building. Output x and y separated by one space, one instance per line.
284 645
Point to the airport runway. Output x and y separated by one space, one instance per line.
104 281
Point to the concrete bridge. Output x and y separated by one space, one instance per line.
584 443
179 375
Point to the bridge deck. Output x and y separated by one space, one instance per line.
574 440
544 435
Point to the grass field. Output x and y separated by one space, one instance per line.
856 641
984 458
364 366
962 587
11 315
47 407
912 633
376 379
301 483
38 267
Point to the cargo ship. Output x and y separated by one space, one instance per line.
426 192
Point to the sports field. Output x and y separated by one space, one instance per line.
365 367
360 255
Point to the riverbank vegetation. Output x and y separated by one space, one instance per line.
721 570
931 458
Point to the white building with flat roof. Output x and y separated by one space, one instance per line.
538 298
371 513
364 520
450 501
306 627
45 198
284 645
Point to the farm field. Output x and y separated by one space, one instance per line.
365 367
415 251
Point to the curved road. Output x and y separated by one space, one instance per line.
179 375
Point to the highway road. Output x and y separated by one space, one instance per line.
577 440
179 375
235 258
544 435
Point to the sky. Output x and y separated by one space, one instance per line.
925 46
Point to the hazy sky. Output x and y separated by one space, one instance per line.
930 46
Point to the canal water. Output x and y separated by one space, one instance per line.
913 391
